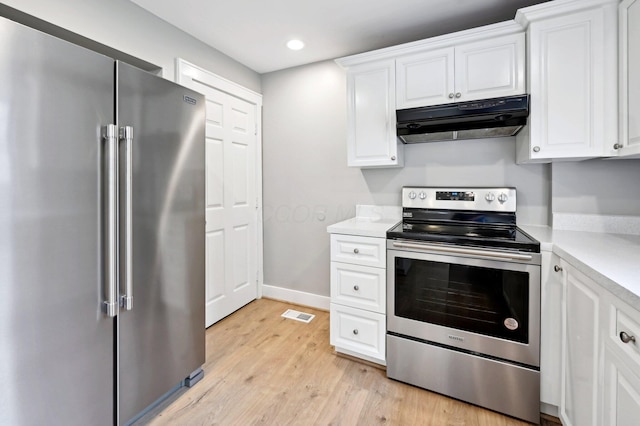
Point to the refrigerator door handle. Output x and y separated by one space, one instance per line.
126 300
111 253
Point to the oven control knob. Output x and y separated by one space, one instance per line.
412 195
490 197
423 195
503 197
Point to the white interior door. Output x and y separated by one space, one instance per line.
233 229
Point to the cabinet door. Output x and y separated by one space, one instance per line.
550 329
425 78
630 77
355 249
371 116
490 68
573 80
358 286
580 349
358 333
621 391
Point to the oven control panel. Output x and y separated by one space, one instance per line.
499 199
456 195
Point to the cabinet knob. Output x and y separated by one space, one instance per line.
626 338
393 158
356 288
536 149
355 331
617 146
458 95
451 95
356 251
557 268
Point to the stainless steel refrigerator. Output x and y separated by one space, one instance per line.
101 234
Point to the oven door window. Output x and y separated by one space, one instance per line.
488 301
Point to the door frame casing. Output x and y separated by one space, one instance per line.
186 72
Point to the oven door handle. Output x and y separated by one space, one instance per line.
458 250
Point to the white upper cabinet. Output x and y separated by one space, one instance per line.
371 116
572 78
479 63
629 20
425 78
491 68
468 71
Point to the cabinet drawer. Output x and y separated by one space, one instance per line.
358 286
631 327
367 251
358 332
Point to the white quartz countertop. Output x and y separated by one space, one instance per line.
370 221
611 260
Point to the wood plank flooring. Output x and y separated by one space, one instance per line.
265 369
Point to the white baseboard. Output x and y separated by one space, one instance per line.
295 296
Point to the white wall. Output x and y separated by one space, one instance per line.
604 187
307 185
122 25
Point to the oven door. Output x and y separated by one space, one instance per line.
475 300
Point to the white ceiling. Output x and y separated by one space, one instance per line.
254 32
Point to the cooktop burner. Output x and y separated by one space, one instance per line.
478 217
511 238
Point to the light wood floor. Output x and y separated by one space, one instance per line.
265 369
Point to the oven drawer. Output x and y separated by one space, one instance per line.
358 332
367 251
358 286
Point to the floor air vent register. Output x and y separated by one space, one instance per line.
298 316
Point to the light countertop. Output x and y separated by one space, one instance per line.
611 260
370 221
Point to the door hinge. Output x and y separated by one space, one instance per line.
255 129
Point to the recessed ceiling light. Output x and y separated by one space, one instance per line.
295 44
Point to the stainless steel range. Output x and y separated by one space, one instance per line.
463 299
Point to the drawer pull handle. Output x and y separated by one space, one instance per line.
557 268
356 288
356 251
626 338
355 331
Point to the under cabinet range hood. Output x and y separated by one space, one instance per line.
487 118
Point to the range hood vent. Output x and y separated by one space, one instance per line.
489 118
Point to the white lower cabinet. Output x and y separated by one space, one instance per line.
600 355
358 332
621 390
621 404
551 295
580 349
358 286
358 296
